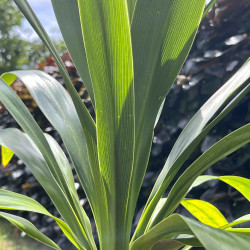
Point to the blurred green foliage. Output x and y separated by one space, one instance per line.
16 53
36 52
11 46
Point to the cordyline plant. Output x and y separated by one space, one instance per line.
128 54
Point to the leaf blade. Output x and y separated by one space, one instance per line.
160 44
211 238
205 212
31 156
57 106
67 15
29 229
106 34
13 201
190 138
224 147
86 120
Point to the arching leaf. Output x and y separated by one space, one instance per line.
29 229
13 201
211 238
221 149
205 212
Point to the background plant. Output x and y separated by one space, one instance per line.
15 52
11 46
114 105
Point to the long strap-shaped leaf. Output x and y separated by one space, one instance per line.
21 114
26 121
238 221
29 229
106 33
224 147
162 34
207 8
239 183
211 238
68 19
18 110
194 128
59 109
85 118
192 136
13 201
31 156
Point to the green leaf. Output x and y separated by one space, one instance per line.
221 149
208 7
245 231
31 156
7 155
239 183
240 220
201 179
167 245
192 135
69 181
106 34
195 127
159 113
29 229
86 120
67 15
205 212
160 44
23 117
211 238
18 110
13 201
57 106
